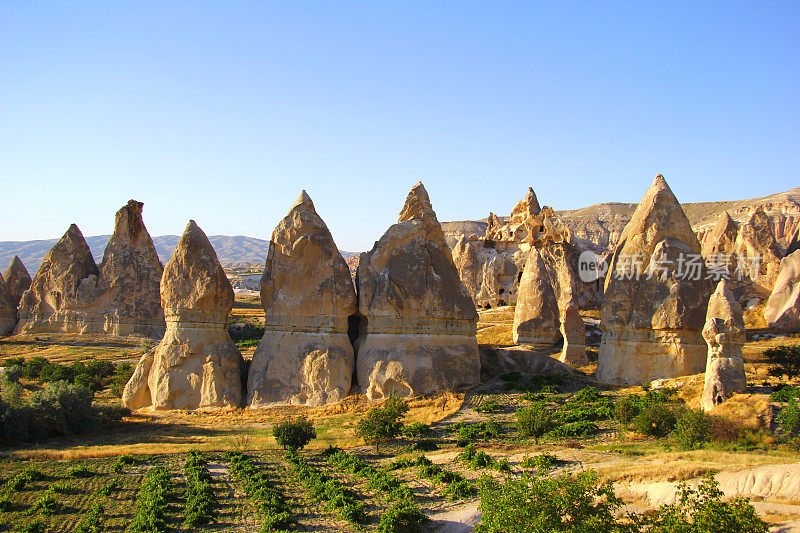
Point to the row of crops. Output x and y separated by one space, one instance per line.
332 490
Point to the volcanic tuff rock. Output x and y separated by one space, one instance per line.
418 323
724 333
196 364
536 317
722 238
574 332
305 356
17 279
62 291
652 313
756 239
8 309
783 306
127 292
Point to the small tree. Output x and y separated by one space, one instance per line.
534 421
382 424
294 434
786 361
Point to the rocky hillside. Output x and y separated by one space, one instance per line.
599 226
236 250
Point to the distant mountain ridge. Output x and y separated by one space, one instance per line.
236 250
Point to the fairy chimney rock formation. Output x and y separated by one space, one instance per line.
62 291
782 311
655 296
574 332
418 323
305 356
8 309
722 238
17 279
536 317
724 333
127 295
196 364
758 252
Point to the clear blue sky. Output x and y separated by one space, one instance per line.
222 112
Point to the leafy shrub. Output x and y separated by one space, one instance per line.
492 429
703 510
577 411
425 445
629 407
34 526
489 406
121 462
402 517
789 419
574 430
784 394
786 361
80 471
542 462
92 518
533 421
46 504
460 490
271 504
246 331
692 429
294 434
586 395
415 430
122 374
382 424
327 490
476 458
574 503
151 506
201 501
656 419
12 373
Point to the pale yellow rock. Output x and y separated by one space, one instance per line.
418 323
8 309
536 317
758 254
17 279
652 314
196 364
724 333
61 294
127 299
573 331
305 356
782 311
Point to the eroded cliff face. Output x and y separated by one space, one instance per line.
71 294
305 356
418 322
196 364
653 309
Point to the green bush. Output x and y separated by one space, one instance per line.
151 506
460 490
91 520
61 409
784 394
382 424
533 421
542 462
657 419
402 517
628 408
270 503
80 471
122 374
12 373
489 406
789 419
46 504
295 433
692 429
573 430
704 511
571 503
415 430
201 501
786 361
